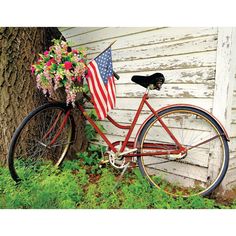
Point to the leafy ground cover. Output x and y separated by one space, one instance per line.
72 187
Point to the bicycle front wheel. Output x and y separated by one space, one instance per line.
43 137
201 169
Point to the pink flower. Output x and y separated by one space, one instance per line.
74 51
73 78
79 79
50 62
68 65
45 53
32 70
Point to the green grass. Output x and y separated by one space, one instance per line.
73 187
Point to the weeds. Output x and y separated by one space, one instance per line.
70 188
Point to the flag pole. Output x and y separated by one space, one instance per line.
105 49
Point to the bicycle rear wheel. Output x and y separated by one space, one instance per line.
43 137
201 169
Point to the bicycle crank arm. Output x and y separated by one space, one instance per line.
103 162
127 152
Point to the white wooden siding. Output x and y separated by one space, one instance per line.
186 56
224 99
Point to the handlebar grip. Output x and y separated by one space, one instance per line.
116 75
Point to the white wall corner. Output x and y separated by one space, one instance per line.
225 75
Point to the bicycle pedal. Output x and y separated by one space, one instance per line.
104 161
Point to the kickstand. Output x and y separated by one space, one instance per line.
121 176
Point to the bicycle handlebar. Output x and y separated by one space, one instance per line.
116 75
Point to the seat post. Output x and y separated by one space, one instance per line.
147 91
149 87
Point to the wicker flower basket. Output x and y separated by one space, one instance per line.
59 95
60 71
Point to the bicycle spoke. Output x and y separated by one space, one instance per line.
32 149
206 141
195 171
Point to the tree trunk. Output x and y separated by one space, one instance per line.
19 48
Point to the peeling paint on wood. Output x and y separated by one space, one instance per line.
168 90
182 76
133 103
165 49
107 33
195 60
72 32
155 36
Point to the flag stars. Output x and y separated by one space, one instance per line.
104 63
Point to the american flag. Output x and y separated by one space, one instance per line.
101 83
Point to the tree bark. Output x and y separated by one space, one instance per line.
19 48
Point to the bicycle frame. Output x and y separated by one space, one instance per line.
130 128
162 149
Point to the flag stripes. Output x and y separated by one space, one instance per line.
101 83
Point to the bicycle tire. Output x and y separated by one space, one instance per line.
182 191
31 124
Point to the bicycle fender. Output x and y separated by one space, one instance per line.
136 144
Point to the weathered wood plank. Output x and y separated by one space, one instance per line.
133 103
162 135
234 100
178 168
63 29
234 97
234 86
233 116
232 145
150 37
107 33
165 49
126 117
232 161
168 63
182 76
232 131
75 31
228 185
225 73
230 179
168 90
185 181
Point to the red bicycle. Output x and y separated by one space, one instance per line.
181 149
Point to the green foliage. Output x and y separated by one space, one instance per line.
90 132
91 158
50 189
102 194
70 187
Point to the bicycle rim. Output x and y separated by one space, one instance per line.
31 149
201 169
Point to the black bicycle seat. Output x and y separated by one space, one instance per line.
156 80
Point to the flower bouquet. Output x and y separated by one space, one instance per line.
61 67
